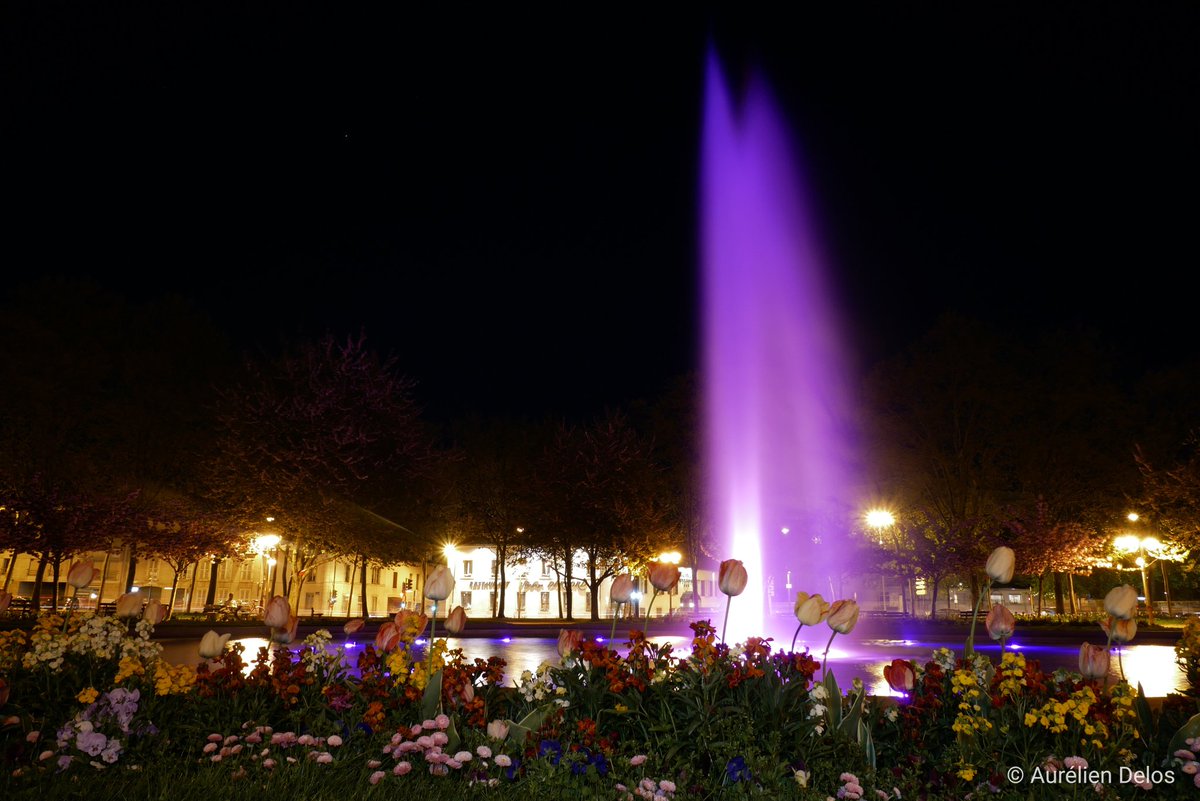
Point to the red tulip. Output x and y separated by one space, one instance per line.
388 637
456 621
3 692
278 612
410 623
1000 622
900 675
732 577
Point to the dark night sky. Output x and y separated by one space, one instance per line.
507 200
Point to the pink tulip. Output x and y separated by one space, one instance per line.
81 574
497 730
1000 622
407 619
1121 631
622 589
1093 661
129 605
286 634
732 577
1121 602
278 612
440 584
456 621
843 616
154 613
212 645
353 626
569 640
663 576
387 638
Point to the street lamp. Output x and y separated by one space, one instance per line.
879 519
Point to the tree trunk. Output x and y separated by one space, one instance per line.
363 588
192 586
55 563
570 596
1041 576
1059 607
933 592
131 571
8 574
1166 585
283 571
350 592
174 589
37 584
210 598
1074 598
103 577
593 587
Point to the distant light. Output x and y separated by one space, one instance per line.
670 557
506 639
94 596
785 530
635 595
880 518
1132 517
599 639
135 589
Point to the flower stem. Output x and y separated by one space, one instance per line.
1112 624
650 606
728 603
825 658
613 633
969 650
432 629
794 636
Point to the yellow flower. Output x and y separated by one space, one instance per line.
87 695
966 773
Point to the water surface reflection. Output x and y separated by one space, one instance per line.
1151 665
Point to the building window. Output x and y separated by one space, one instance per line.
545 569
545 606
465 599
346 573
395 579
468 567
375 573
246 567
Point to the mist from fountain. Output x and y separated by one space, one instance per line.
777 451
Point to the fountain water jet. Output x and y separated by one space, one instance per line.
776 452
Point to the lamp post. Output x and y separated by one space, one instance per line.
880 519
1131 543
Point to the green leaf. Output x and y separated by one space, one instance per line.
431 701
1189 729
454 739
853 717
833 700
1144 716
867 742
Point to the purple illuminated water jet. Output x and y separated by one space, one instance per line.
777 455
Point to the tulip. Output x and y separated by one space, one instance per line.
622 589
1000 623
900 675
1119 631
620 592
1121 602
4 690
154 613
843 616
497 730
5 599
129 605
353 626
810 610
663 576
1093 661
569 640
439 585
285 634
387 637
732 577
1000 565
278 612
456 621
81 574
212 644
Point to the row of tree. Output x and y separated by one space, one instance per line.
137 426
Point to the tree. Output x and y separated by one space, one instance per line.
314 438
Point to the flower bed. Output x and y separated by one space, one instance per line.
87 702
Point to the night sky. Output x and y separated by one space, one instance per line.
507 200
